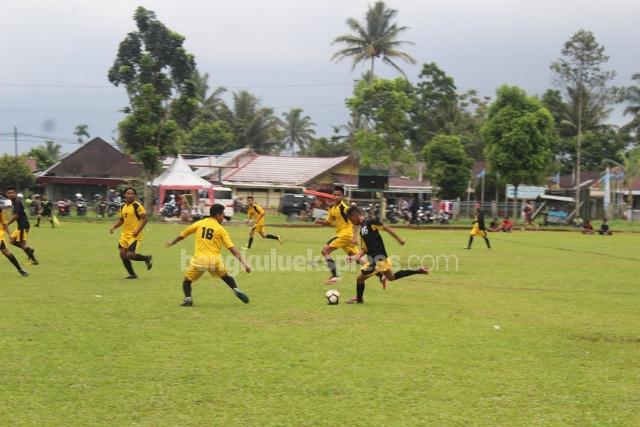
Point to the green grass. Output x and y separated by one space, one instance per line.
81 346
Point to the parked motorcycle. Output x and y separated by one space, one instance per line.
81 205
64 207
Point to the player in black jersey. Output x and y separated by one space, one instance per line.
19 236
46 210
377 260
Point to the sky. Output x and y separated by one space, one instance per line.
55 55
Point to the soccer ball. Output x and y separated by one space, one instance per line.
333 297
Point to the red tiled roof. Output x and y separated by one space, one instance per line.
283 170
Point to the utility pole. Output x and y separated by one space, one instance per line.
15 141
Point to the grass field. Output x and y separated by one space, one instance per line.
542 330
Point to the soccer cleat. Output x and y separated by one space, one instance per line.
188 302
24 273
131 276
241 295
280 239
466 247
148 262
354 300
246 248
423 270
334 279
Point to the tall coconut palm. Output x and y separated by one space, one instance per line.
298 130
210 102
52 150
633 99
80 131
255 126
374 38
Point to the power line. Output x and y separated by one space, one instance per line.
15 110
233 86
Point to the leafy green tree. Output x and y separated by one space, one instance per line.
298 129
15 171
81 131
255 127
448 166
631 163
436 106
45 155
385 105
604 143
520 137
472 115
157 72
376 37
633 107
328 147
210 137
580 74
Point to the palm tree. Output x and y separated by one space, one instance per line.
52 150
211 103
80 131
633 98
374 38
298 130
255 127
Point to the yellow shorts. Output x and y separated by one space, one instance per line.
380 267
127 241
259 228
475 231
344 243
215 269
20 235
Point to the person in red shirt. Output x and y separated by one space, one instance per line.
506 225
587 228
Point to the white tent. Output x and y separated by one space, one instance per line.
179 176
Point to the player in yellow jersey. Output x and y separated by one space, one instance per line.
210 237
3 248
256 214
346 234
133 218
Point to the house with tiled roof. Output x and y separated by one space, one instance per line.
93 168
266 178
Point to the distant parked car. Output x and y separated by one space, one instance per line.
295 203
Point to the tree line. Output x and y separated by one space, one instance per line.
524 138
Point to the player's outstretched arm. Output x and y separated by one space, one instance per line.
357 256
174 241
236 254
116 225
393 234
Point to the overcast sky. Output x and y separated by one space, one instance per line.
55 55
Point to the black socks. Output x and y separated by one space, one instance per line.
128 266
332 266
229 281
359 291
14 261
405 273
186 287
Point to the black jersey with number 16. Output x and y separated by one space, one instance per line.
371 239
